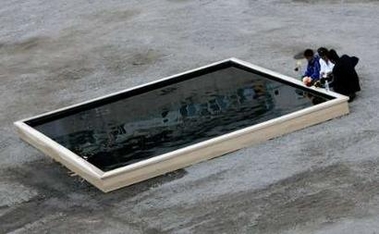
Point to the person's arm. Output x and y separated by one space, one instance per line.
323 68
307 71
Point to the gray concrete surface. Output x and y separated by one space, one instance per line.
324 179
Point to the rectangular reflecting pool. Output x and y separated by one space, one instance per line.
136 134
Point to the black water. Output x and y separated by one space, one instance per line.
121 132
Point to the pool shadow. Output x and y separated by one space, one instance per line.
60 194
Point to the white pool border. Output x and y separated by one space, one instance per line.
158 165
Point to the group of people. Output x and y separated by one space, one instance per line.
327 69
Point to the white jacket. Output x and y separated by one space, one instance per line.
325 67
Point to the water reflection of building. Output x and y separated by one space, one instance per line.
211 108
263 96
251 99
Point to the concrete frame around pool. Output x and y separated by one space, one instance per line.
158 165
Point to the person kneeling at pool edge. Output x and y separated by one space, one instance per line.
312 74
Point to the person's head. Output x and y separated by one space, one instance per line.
308 54
323 53
333 56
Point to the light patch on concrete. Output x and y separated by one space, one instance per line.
15 193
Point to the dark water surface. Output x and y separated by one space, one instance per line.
121 132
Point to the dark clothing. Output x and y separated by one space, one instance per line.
346 80
313 68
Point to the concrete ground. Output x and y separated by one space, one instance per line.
324 179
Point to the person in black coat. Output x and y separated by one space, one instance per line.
346 80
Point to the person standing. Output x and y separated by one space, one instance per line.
346 80
312 74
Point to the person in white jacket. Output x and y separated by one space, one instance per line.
326 66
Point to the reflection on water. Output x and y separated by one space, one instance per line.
166 119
